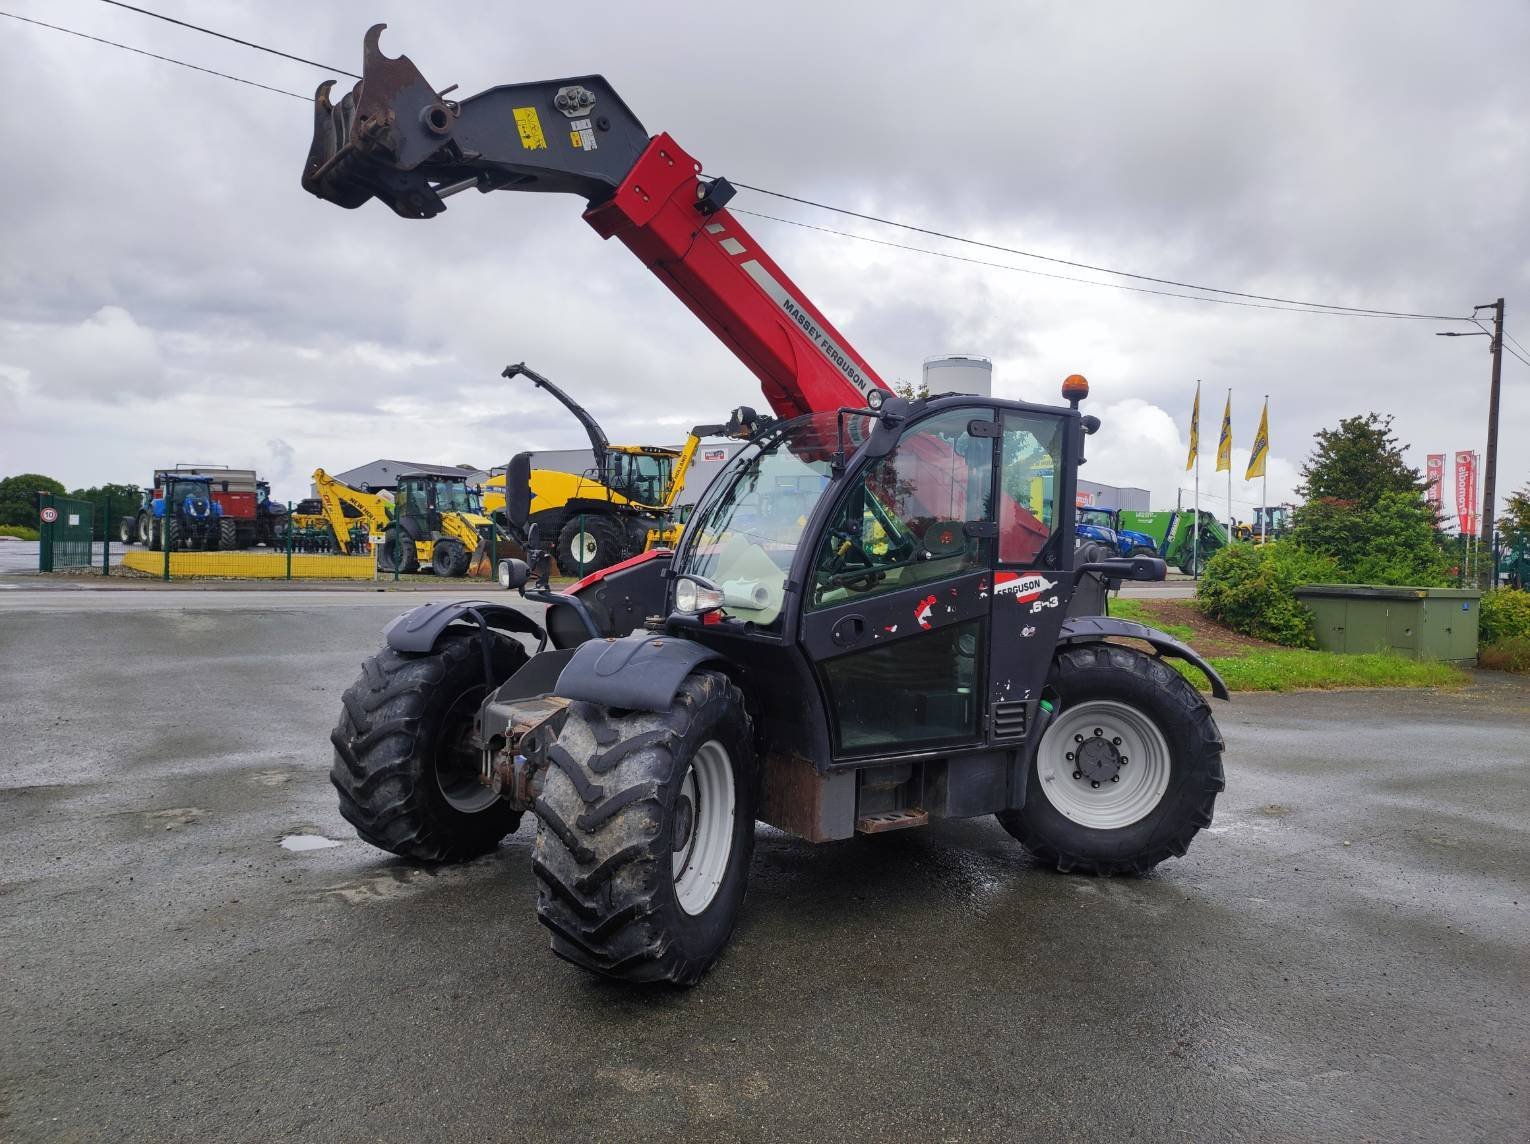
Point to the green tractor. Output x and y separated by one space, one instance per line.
1174 534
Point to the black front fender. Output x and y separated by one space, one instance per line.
1091 629
639 672
417 631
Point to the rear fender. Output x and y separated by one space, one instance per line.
1093 629
418 631
640 672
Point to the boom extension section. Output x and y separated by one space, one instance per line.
394 137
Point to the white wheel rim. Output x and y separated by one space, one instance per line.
703 839
584 547
1088 740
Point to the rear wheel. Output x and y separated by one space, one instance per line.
1129 769
148 531
448 558
127 530
397 554
405 766
645 829
589 543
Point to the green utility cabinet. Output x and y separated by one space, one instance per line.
1420 623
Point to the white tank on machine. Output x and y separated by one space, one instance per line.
959 373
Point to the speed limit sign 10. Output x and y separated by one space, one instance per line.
49 515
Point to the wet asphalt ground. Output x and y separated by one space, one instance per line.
1345 954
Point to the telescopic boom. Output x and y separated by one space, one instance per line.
396 138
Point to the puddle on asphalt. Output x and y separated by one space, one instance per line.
307 842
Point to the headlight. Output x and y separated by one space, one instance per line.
694 596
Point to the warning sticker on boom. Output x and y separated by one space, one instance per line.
530 127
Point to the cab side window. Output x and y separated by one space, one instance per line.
903 522
1028 511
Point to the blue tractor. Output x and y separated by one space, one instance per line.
1103 526
178 512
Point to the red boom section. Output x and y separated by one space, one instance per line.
726 279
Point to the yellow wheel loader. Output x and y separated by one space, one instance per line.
431 522
622 506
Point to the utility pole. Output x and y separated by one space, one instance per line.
1490 475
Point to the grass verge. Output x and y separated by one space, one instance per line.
1125 608
1507 655
19 531
1292 669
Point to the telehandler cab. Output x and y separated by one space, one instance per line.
876 615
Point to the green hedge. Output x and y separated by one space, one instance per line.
1505 616
19 531
1250 588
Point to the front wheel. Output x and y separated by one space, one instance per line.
228 535
588 543
1128 770
645 829
406 766
127 530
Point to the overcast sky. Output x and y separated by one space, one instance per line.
169 293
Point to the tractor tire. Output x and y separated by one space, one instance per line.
600 544
170 532
645 829
404 766
127 530
448 558
148 529
228 535
1147 757
1144 550
397 554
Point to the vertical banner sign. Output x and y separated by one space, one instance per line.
1434 473
1195 431
1466 492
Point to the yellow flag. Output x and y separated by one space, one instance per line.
1261 445
1224 442
1195 430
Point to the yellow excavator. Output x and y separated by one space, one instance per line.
623 505
431 521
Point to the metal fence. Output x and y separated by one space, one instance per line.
196 542
65 526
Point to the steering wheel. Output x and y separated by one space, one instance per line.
849 554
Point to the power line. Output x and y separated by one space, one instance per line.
1253 301
226 36
1059 277
156 56
1096 269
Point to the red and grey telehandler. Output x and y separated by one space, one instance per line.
875 616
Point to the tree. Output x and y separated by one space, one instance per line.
18 497
112 502
1357 463
907 389
1514 521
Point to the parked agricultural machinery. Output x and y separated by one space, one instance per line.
622 506
179 512
862 629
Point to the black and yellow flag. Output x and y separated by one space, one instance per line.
1261 445
1224 442
1195 430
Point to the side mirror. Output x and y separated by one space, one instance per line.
1146 568
513 574
892 413
518 491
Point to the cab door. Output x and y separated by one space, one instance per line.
895 617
